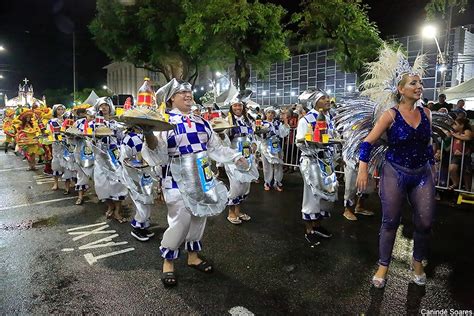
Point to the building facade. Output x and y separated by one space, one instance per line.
286 80
125 78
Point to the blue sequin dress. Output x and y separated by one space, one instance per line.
407 174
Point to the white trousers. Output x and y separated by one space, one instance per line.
57 153
272 172
350 188
238 191
314 207
183 226
141 219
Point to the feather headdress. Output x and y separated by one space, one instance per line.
384 75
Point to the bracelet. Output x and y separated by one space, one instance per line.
364 151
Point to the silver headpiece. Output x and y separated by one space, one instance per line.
242 97
310 97
269 109
171 88
104 100
56 107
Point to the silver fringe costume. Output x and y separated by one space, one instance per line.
190 190
316 165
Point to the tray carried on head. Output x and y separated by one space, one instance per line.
133 163
145 117
103 131
74 131
262 130
320 144
220 125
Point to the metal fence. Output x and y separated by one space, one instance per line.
450 166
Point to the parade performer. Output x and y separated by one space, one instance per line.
407 161
354 201
190 190
107 166
27 138
83 153
54 126
271 149
44 114
68 161
242 139
9 128
316 166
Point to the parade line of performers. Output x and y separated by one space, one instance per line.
163 150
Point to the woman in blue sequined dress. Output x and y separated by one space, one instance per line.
407 172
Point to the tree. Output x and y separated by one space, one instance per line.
342 25
144 34
58 96
235 32
440 7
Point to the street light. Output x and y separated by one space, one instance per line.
2 48
218 74
1 76
429 31
104 87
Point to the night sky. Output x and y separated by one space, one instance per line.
38 37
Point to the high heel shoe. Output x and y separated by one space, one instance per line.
419 279
378 283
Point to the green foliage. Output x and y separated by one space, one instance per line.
58 96
207 97
145 34
235 32
436 8
342 25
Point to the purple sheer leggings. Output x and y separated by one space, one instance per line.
396 184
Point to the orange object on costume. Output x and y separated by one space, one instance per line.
145 94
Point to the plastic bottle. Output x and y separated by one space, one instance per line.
321 127
258 123
145 94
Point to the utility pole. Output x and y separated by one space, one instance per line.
74 64
446 47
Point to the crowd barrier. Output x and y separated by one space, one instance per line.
444 172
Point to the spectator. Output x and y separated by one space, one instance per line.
430 105
442 103
461 154
460 104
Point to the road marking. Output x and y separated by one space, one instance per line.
43 179
87 226
99 230
36 203
6 170
91 259
98 243
241 311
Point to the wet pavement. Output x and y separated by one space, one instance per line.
49 264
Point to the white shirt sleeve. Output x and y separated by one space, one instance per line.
159 155
221 153
283 130
301 129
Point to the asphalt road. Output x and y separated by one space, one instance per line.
52 263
